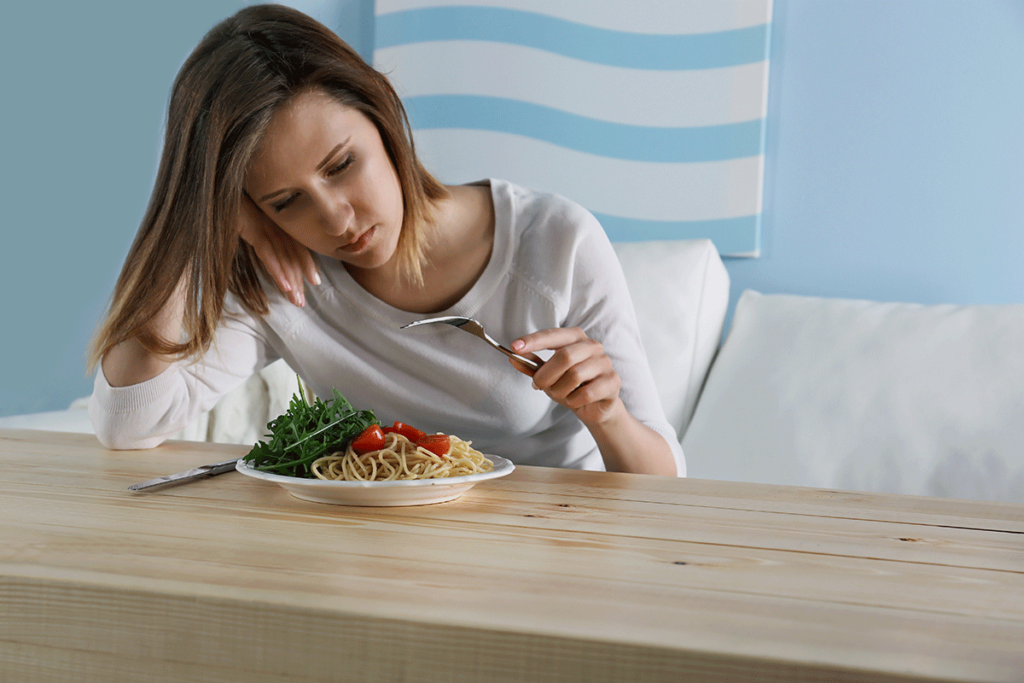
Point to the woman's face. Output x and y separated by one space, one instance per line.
321 173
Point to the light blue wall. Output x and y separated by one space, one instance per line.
84 94
895 157
895 165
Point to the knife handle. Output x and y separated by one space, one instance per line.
194 474
221 467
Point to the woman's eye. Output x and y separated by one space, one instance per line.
334 170
345 163
280 206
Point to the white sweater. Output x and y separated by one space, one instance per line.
551 266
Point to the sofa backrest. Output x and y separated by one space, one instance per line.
680 292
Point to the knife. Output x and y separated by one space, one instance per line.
194 474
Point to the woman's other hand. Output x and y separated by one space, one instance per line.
287 261
579 375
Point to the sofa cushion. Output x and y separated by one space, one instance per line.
892 397
680 290
74 420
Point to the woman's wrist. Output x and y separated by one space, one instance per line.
628 445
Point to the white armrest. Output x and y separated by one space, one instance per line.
72 420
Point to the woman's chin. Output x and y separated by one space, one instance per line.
366 262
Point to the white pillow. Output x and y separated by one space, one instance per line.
680 290
241 416
892 397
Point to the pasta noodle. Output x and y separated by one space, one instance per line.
402 459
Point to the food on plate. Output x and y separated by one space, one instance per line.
401 452
307 431
334 441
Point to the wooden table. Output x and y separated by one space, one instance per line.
545 575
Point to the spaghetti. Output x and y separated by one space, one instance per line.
402 459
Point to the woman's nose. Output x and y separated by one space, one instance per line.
336 216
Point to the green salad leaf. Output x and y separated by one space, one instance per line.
307 431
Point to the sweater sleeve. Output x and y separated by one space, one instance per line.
601 305
144 415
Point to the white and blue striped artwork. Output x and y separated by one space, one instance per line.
649 113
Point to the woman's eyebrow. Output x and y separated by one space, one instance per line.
273 194
332 153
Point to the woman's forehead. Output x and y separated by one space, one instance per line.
303 132
311 114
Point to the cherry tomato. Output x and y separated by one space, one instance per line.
370 439
438 444
405 430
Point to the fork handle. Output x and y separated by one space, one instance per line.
532 364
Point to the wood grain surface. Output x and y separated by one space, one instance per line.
545 575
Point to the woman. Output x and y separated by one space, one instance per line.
288 158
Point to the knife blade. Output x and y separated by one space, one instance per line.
201 472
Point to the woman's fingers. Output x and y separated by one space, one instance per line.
308 266
292 257
571 347
274 254
553 338
579 380
286 261
578 375
273 264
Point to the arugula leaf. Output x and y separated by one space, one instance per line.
307 431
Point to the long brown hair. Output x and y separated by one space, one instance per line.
222 100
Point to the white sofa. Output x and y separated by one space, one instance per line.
808 391
870 396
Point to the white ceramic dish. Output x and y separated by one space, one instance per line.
380 493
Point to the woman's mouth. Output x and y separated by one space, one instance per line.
360 242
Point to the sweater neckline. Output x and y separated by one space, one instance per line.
483 289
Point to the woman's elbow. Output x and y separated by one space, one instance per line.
121 440
121 435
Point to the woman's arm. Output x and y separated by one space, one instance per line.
130 362
130 411
580 376
287 262
143 414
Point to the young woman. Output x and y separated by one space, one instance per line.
289 160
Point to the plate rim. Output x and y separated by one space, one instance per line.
502 467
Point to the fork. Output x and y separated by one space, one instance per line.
476 329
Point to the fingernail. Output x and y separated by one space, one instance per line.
518 344
316 278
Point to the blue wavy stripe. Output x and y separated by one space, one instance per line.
583 134
597 45
730 235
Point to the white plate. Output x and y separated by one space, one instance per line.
380 493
